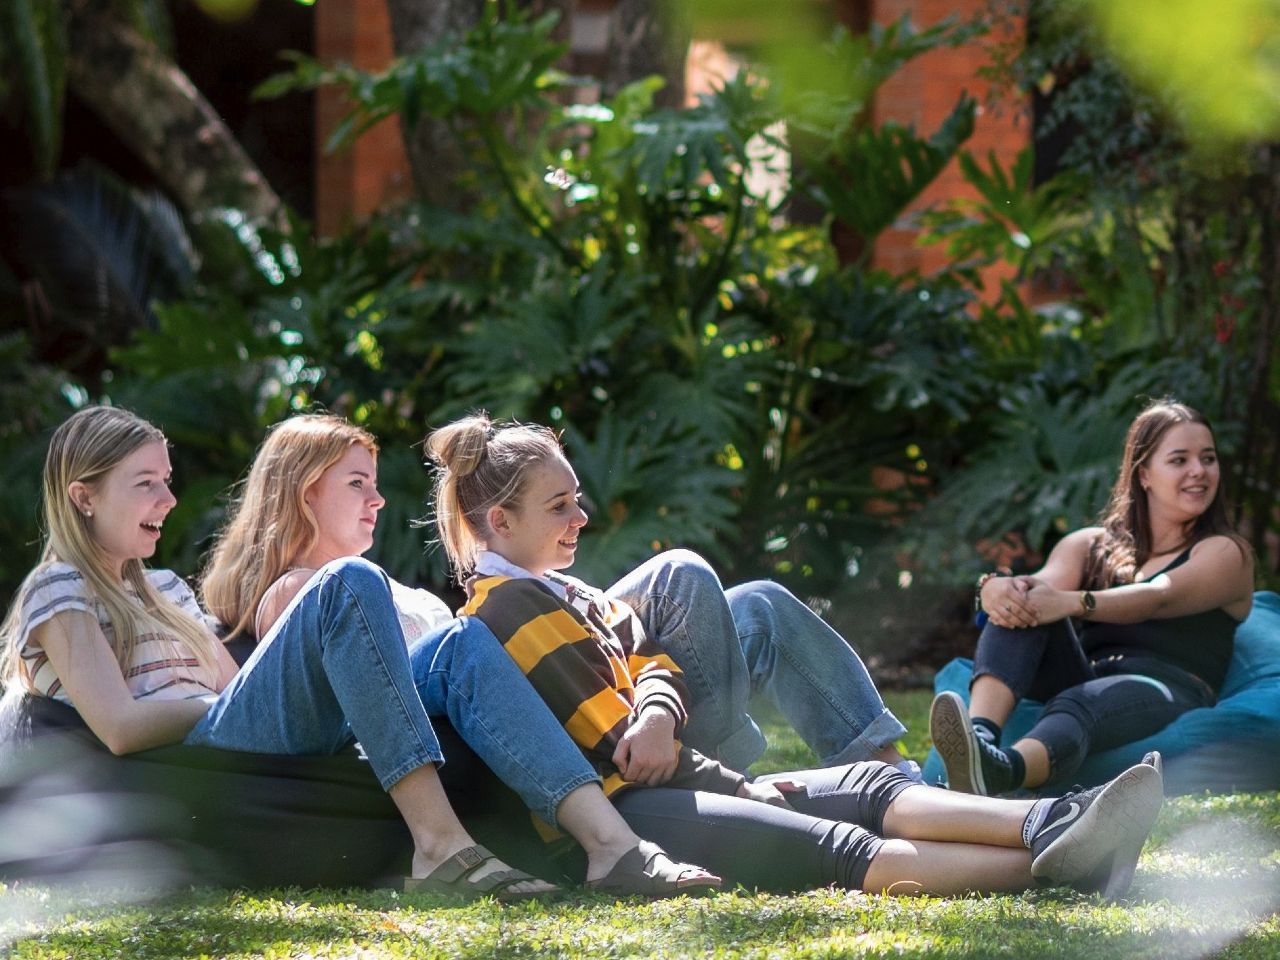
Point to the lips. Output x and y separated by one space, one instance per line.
152 527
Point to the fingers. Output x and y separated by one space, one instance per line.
788 786
1011 606
622 758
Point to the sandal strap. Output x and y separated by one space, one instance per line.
456 875
635 873
461 865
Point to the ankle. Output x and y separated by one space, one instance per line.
431 851
1017 767
987 729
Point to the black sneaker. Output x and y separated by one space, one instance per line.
974 765
1091 839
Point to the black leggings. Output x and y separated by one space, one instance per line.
1089 705
830 837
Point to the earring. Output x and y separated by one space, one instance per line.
88 513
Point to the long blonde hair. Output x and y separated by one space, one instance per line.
85 448
481 464
272 524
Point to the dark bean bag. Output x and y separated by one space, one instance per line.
190 814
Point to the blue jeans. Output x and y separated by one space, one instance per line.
335 669
756 638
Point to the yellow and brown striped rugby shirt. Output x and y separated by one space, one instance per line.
591 661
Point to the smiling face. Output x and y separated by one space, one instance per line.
345 502
1181 475
541 533
125 509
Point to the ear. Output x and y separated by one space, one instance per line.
81 496
1142 476
499 521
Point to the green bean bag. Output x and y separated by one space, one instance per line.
1232 746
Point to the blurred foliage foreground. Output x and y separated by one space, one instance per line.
723 381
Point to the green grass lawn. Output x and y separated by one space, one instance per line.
1208 885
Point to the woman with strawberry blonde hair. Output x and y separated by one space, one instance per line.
291 550
128 649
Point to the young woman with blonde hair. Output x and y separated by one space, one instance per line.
308 510
509 517
128 649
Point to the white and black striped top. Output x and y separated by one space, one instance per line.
160 668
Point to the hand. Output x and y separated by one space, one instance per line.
1052 605
770 792
647 751
1006 601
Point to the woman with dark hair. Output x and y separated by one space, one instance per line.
1158 588
508 512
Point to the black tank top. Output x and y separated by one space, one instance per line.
1200 643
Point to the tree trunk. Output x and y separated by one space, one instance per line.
648 37
436 159
155 108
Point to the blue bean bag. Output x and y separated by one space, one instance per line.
1230 747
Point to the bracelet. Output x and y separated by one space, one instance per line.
977 590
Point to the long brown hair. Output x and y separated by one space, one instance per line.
272 524
85 448
1126 541
481 464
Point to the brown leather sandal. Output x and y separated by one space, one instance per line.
457 875
647 871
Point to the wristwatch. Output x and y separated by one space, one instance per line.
1088 603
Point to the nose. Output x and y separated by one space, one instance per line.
168 499
376 500
580 517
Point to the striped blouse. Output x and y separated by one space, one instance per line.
160 668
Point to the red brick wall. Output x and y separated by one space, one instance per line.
923 93
354 182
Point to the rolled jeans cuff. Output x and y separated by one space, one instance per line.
549 813
742 747
880 733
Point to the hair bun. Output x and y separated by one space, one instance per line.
461 446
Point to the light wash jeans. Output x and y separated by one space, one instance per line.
756 638
335 669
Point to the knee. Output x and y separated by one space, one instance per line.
688 565
359 575
761 598
687 570
1074 703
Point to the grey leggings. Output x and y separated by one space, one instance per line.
830 837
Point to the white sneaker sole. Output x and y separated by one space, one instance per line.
1099 852
956 743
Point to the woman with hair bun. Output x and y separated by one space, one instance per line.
508 512
1158 588
129 650
307 512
